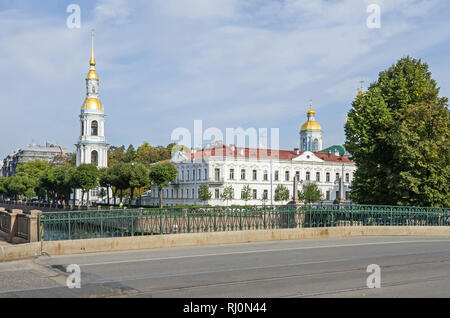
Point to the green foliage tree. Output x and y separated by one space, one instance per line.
161 174
120 176
86 177
227 194
310 193
281 193
130 154
105 181
203 193
3 187
139 179
115 155
246 193
398 134
147 154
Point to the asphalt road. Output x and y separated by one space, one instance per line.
410 267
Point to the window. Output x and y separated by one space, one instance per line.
286 175
217 194
94 128
328 177
206 174
82 128
316 145
231 174
308 176
277 175
193 175
182 175
346 195
266 194
347 177
199 174
94 158
318 176
242 174
297 175
193 194
255 175
266 176
187 175
337 194
328 195
217 174
255 194
304 144
337 176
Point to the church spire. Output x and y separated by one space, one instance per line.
92 62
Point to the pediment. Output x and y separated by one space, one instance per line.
308 156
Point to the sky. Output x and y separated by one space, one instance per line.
230 63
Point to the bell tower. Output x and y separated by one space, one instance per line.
92 147
311 133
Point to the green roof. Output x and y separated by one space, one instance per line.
335 148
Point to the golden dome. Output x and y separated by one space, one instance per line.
92 104
311 112
92 75
311 125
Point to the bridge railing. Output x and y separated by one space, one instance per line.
72 225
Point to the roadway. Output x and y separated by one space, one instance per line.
410 267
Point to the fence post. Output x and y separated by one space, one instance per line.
265 224
70 234
34 226
160 222
13 224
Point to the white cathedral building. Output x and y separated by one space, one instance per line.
263 170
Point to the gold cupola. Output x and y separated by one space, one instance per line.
311 124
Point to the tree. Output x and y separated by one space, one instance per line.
398 135
58 182
105 181
3 187
161 174
203 193
246 194
115 155
147 154
227 194
130 154
120 176
281 193
86 177
139 178
310 193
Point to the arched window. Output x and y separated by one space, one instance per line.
94 158
316 145
94 128
82 128
304 144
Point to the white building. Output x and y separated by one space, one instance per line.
263 170
92 147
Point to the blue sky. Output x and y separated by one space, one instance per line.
231 63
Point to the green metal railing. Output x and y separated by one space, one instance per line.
139 222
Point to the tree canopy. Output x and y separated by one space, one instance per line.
398 135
